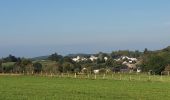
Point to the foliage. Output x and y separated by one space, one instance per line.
1 68
155 61
116 54
37 67
10 58
55 57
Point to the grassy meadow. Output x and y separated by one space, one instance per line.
55 88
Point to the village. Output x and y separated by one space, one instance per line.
129 64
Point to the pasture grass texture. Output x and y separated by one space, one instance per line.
54 88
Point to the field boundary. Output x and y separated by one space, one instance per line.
115 76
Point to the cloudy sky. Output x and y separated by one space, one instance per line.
33 28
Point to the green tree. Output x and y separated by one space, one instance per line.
68 67
26 65
59 67
1 68
145 51
55 57
10 58
37 67
155 63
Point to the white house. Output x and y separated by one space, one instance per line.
92 58
126 57
105 58
78 58
125 62
96 71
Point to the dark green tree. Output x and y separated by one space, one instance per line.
154 62
55 57
145 51
10 58
37 67
68 67
1 68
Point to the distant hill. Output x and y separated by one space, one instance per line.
167 49
40 58
80 54
69 55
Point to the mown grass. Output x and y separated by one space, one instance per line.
53 88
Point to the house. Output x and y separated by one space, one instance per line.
96 71
139 70
125 62
132 66
105 58
78 59
93 58
128 58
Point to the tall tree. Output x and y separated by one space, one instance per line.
10 58
55 57
145 51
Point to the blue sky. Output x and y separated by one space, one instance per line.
40 27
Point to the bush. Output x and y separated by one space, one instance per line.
37 67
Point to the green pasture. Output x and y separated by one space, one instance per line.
58 88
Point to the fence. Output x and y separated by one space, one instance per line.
110 76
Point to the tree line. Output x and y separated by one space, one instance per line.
155 61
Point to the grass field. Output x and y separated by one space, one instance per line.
53 88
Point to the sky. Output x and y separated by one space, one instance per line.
30 28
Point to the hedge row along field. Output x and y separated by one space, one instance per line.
54 88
